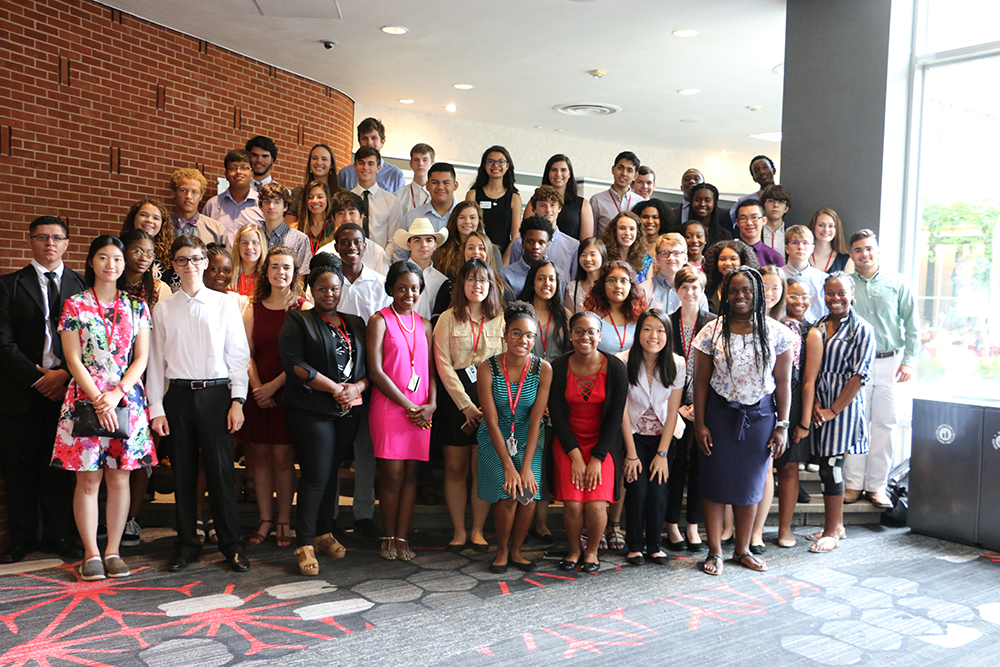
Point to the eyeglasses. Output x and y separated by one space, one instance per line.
139 254
801 242
45 238
517 334
238 168
616 281
473 282
749 218
183 261
496 163
664 254
795 298
591 333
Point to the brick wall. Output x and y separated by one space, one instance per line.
98 108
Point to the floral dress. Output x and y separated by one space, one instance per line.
107 365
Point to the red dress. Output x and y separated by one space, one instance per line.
266 426
585 422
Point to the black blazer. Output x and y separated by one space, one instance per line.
306 341
704 317
22 334
609 441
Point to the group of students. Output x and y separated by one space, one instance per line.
544 360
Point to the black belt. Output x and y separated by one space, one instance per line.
199 384
886 355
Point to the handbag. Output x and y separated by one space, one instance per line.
87 425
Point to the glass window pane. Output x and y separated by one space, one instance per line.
953 24
958 285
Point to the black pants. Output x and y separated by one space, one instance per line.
197 419
31 482
683 462
645 501
321 445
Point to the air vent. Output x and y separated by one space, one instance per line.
587 109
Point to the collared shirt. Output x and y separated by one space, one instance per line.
389 176
433 279
562 252
257 185
233 214
765 255
647 395
385 215
49 359
732 211
774 238
374 257
888 305
515 273
293 239
365 296
198 337
665 296
207 229
424 211
411 196
606 205
815 279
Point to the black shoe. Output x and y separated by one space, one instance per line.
695 547
480 548
366 528
676 546
546 541
590 567
528 567
455 548
658 560
567 565
758 549
803 496
63 548
15 553
497 569
635 560
238 562
180 561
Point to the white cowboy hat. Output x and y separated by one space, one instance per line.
420 227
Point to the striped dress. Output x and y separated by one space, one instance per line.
848 352
490 474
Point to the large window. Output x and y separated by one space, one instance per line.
957 268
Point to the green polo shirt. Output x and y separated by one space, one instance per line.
887 303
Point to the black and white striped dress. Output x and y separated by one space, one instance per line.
848 352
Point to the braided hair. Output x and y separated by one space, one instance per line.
852 315
761 344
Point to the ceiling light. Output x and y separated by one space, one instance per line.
768 136
394 30
684 32
723 152
462 86
587 109
754 107
451 107
690 120
556 130
597 73
538 127
406 101
688 91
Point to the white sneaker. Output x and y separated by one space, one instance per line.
132 537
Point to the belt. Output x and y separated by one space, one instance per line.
199 384
886 355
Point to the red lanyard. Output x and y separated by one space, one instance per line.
545 336
513 401
686 345
622 335
410 348
475 338
314 243
617 205
829 260
343 331
109 333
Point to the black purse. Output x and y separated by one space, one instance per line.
87 425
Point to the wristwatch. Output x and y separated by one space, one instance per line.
126 388
661 454
237 399
783 424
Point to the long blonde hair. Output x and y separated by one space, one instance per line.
238 259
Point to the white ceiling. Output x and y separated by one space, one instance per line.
524 57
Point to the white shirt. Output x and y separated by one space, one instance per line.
385 216
643 396
412 196
433 279
606 205
774 238
374 257
816 280
49 359
198 337
365 296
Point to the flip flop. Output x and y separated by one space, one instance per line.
824 545
718 563
815 537
749 561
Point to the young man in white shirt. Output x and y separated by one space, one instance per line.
347 207
371 133
420 241
777 200
415 194
799 242
200 347
385 215
618 197
644 183
263 155
236 206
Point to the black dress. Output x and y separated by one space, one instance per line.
569 218
797 452
496 217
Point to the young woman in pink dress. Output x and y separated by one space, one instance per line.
397 346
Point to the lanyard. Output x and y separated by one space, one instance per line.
621 336
617 205
545 336
343 331
475 338
686 345
829 261
108 332
512 401
410 348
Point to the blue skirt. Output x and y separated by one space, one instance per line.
735 472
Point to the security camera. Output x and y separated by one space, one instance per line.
328 44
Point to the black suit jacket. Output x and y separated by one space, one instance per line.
22 334
306 341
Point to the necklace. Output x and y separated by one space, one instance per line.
403 326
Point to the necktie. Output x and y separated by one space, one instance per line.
257 185
368 214
55 305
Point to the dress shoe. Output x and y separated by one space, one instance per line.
366 528
880 500
590 567
635 560
852 496
238 562
567 565
803 496
63 548
180 560
15 553
528 567
676 546
658 560
497 569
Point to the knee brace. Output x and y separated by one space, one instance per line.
831 475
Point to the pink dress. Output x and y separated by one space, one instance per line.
394 436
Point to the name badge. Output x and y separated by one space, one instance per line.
473 373
413 383
485 205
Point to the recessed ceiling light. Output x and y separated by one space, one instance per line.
690 120
406 101
394 30
556 129
587 109
463 86
688 91
685 32
754 107
538 127
597 73
723 152
768 136
451 107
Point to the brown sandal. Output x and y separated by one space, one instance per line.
258 536
308 565
327 544
284 536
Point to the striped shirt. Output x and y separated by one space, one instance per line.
848 352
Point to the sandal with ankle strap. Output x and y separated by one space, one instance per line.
258 536
406 553
328 545
308 565
284 538
615 536
389 552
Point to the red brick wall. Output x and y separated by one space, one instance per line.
98 107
